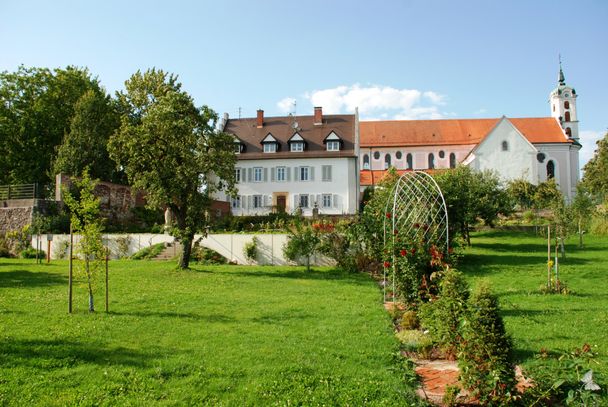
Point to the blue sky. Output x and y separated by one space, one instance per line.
392 59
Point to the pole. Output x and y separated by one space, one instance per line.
107 258
556 263
549 256
70 271
48 251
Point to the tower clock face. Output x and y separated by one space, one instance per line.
566 95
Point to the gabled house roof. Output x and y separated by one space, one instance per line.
397 133
282 129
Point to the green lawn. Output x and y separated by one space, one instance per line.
516 265
222 335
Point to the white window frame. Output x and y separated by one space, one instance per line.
237 175
270 147
257 171
281 174
326 201
326 173
304 171
236 202
258 201
296 147
333 145
237 148
304 198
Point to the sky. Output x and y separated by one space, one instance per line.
409 59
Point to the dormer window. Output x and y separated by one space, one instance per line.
270 148
271 144
296 143
238 146
297 146
333 142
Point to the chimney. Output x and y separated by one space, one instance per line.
318 115
260 119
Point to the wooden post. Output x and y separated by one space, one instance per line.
107 258
70 271
549 256
48 251
556 263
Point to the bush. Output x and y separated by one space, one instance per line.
149 252
443 317
122 246
342 243
205 255
485 360
30 253
63 250
251 250
4 247
409 320
417 341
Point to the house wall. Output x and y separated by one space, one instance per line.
419 155
342 187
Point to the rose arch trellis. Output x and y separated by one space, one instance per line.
416 208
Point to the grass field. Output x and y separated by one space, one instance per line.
515 263
222 335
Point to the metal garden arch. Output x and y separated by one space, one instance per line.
415 200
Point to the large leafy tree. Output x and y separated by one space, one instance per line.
472 195
95 119
170 149
595 176
36 108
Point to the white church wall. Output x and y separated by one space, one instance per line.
516 162
420 156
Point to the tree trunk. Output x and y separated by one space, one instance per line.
307 263
88 270
184 261
580 234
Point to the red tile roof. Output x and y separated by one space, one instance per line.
453 131
373 177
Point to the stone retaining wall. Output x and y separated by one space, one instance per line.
15 218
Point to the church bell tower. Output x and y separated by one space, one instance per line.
563 106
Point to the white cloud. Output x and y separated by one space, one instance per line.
480 111
383 102
285 105
588 139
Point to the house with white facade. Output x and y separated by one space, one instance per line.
535 149
285 164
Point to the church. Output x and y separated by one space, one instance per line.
534 149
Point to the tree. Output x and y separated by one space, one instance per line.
170 149
85 219
522 192
547 194
36 108
95 119
471 195
582 208
595 176
303 241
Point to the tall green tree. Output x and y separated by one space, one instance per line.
595 176
471 195
95 119
36 108
170 149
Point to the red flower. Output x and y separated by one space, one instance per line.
403 252
388 215
413 251
387 264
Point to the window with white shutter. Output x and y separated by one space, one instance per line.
326 173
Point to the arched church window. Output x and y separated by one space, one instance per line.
410 162
452 160
567 116
550 169
505 145
568 132
431 161
365 162
387 161
566 105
